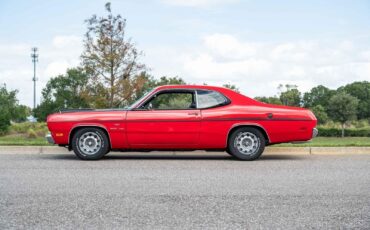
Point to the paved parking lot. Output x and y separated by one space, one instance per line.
193 191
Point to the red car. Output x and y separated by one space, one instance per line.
182 117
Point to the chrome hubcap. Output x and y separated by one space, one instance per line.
90 143
247 143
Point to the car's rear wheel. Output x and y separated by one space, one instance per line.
246 143
90 143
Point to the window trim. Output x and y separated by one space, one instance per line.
147 100
227 100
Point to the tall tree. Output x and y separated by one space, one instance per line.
360 90
342 108
290 96
64 91
10 110
110 58
318 95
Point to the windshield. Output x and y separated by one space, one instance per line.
133 105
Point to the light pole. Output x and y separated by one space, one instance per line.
35 58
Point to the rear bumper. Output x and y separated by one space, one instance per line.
49 138
315 132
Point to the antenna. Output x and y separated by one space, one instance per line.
35 58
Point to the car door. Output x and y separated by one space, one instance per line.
168 119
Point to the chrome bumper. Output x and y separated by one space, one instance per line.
315 132
49 138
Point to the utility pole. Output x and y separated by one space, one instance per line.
35 58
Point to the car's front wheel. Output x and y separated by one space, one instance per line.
90 143
246 143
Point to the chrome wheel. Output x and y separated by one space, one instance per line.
90 143
247 143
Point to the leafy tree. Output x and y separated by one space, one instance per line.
9 109
164 80
64 91
320 113
232 87
318 95
360 90
110 59
269 100
291 96
21 113
343 108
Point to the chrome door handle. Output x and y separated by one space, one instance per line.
193 113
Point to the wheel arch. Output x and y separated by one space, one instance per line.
252 125
78 127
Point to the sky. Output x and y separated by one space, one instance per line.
253 44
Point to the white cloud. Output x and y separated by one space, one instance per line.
258 68
66 41
198 3
55 57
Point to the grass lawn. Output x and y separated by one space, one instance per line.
332 142
19 139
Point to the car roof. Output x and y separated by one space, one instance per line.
206 87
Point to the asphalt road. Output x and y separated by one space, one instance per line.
184 192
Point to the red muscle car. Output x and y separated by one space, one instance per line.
182 117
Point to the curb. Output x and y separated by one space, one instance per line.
269 150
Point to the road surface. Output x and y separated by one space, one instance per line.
163 191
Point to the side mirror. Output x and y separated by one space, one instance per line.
150 106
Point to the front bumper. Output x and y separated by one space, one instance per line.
49 138
315 132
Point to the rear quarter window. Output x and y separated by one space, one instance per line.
210 99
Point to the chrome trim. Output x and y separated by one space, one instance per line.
49 138
315 132
195 89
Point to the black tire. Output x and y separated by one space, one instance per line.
98 149
254 143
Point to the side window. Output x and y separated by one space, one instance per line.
171 100
208 99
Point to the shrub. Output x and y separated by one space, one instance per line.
337 132
31 133
29 129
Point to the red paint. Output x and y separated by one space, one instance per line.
188 129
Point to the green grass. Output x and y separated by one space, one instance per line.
332 142
22 140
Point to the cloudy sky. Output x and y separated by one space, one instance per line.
255 45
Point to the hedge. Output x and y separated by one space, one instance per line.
335 132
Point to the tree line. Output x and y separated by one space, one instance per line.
111 76
344 104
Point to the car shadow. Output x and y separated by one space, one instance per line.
225 157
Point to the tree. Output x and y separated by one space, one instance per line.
320 113
360 90
110 59
9 109
232 87
21 112
343 108
269 100
64 91
318 95
291 96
